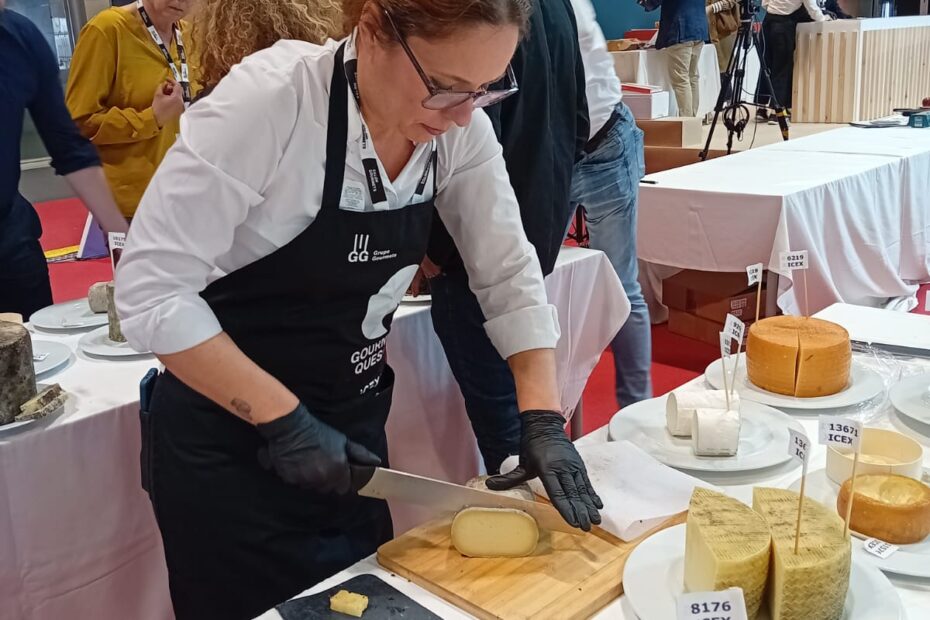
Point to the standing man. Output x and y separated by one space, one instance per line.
542 129
606 184
682 33
29 81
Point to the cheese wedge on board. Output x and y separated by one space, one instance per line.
798 356
726 545
681 405
715 432
813 582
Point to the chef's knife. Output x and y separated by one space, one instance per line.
382 483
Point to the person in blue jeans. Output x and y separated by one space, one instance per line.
606 184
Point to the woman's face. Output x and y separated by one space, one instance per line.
172 9
465 61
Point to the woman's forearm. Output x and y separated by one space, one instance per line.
91 187
534 373
219 370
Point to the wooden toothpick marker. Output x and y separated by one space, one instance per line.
724 351
797 532
807 303
852 491
759 299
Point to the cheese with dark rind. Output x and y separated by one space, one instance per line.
47 401
17 373
891 508
727 545
813 582
115 332
798 356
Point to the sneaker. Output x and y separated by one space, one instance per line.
762 115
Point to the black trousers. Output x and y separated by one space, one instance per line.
780 36
24 285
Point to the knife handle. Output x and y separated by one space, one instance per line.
361 475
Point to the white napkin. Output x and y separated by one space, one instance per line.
638 492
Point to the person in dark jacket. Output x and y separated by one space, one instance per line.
682 33
543 130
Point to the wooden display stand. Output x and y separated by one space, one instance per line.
859 70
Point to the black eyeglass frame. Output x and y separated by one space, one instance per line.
479 98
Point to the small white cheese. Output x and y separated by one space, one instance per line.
715 432
681 405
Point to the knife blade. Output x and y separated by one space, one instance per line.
382 483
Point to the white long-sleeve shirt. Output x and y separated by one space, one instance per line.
787 7
245 177
602 86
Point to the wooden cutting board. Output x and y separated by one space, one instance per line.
567 578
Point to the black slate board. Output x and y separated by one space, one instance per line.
384 602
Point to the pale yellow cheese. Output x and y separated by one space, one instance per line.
494 533
349 603
727 545
798 356
813 582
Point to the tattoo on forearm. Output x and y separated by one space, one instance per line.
242 408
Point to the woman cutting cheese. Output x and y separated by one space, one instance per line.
266 261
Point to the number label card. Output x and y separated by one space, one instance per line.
117 243
755 273
793 260
723 605
734 329
840 432
798 445
879 548
724 346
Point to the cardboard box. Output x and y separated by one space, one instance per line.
691 326
676 131
712 295
660 158
648 105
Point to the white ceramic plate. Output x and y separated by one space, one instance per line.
47 355
864 384
911 397
762 437
654 579
98 343
69 315
419 299
911 560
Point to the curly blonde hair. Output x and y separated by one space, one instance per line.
226 31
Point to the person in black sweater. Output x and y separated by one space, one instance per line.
543 130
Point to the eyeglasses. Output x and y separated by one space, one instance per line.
445 99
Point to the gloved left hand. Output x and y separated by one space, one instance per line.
547 452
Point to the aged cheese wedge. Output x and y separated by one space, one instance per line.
349 603
494 533
892 508
11 317
115 331
97 297
681 405
813 582
17 373
798 356
47 401
715 432
727 545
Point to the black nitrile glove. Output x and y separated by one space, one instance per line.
306 451
546 451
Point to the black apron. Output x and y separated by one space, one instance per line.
315 314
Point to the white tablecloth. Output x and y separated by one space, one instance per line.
857 199
77 535
650 66
914 593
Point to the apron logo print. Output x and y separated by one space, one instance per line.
359 253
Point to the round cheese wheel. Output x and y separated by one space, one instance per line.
17 374
798 356
892 508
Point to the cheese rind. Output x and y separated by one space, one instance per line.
798 356
47 401
494 533
895 509
349 603
813 582
715 432
681 405
726 545
521 491
115 331
97 297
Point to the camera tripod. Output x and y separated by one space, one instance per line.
736 114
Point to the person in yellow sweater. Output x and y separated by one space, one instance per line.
133 73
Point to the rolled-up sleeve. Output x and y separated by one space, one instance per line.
216 172
478 207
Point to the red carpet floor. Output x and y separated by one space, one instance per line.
676 359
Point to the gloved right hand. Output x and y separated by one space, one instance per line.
306 451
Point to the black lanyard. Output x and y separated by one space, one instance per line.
182 77
369 158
